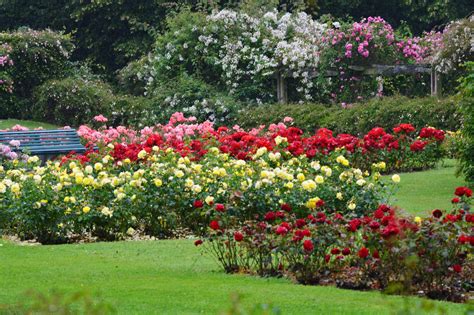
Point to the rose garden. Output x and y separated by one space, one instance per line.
257 158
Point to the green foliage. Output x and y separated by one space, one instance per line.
59 303
112 33
71 101
37 56
387 112
419 16
131 111
467 107
193 97
130 77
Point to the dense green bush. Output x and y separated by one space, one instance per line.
193 97
467 108
37 56
72 101
133 111
386 112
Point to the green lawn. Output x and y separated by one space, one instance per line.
8 123
173 277
170 277
420 192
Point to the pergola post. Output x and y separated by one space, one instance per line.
435 83
282 89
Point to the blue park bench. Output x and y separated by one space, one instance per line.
45 143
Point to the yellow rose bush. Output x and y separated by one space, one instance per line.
162 191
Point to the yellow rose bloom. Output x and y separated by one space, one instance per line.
86 209
308 185
396 178
319 179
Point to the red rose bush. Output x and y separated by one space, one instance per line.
381 249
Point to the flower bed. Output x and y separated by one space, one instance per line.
380 250
403 150
157 180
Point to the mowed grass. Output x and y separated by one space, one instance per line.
171 277
8 123
420 192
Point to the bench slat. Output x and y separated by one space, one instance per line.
45 142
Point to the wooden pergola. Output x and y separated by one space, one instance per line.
372 70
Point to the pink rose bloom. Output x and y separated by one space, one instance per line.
19 128
15 143
101 118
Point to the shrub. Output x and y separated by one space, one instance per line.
238 52
38 56
379 250
193 97
71 101
467 107
359 119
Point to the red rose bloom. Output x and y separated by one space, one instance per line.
308 246
437 213
455 200
214 225
281 230
220 207
327 258
457 268
198 203
378 214
300 223
346 251
374 225
470 218
375 254
270 216
363 252
286 207
197 242
417 145
280 214
404 128
463 239
463 191
384 208
335 251
238 236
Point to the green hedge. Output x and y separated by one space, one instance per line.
38 56
385 112
72 101
467 108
